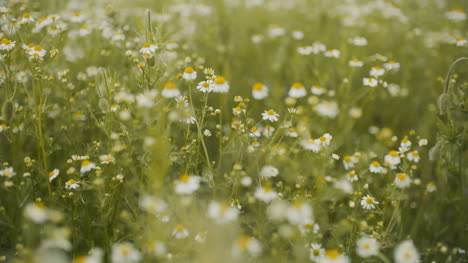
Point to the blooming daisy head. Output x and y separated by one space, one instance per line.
220 85
297 90
170 90
187 184
265 194
368 202
367 247
402 180
189 73
406 252
259 91
53 174
270 115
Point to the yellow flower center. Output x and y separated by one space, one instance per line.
26 15
146 45
322 138
393 153
243 242
347 159
80 259
180 228
267 189
188 70
271 112
375 164
401 176
37 48
205 84
369 200
184 178
332 254
219 80
170 85
6 41
85 163
258 86
71 181
297 85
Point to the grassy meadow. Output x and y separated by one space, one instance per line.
233 131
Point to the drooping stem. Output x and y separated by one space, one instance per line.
450 72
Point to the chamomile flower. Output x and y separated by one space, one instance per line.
86 166
255 132
456 14
148 49
8 172
348 162
270 115
392 159
220 85
187 184
107 158
310 144
72 184
259 91
36 212
318 47
189 73
355 63
324 140
147 98
297 90
368 202
305 50
22 77
406 252
265 194
460 42
222 213
292 132
352 176
375 167
268 171
238 110
370 82
358 41
26 18
413 156
392 65
36 53
367 247
431 187
332 53
53 174
377 72
152 204
333 256
180 232
299 213
7 44
205 86
328 109
316 251
125 252
402 180
317 90
246 244
297 34
170 90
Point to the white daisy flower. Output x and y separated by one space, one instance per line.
265 194
299 213
402 180
332 53
377 72
370 82
297 90
392 159
317 90
352 176
147 98
87 166
36 53
187 184
180 232
431 187
269 171
368 202
7 172
456 14
328 109
333 256
316 252
259 91
413 156
311 145
148 49
356 63
71 184
125 252
246 244
37 212
406 252
367 247
53 174
305 50
220 85
7 44
270 115
375 167
222 213
189 74
205 86
107 158
324 140
170 90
